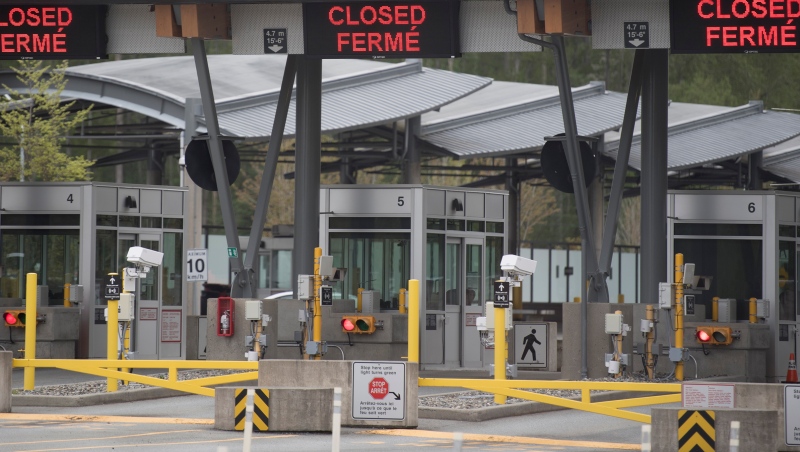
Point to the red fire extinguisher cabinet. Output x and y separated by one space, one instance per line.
225 316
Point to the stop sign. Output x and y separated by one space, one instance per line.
378 388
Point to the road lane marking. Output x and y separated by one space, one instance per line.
99 437
89 418
120 446
504 439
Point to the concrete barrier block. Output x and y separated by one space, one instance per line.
290 409
757 429
5 381
331 374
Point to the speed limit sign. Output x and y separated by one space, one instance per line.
197 265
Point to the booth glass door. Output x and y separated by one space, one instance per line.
463 302
452 303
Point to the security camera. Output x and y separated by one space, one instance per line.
517 266
144 257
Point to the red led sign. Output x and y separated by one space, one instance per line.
52 32
381 29
734 26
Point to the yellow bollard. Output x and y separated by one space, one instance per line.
500 350
714 309
67 304
621 298
29 375
679 312
317 304
576 300
401 300
650 316
413 321
112 346
358 299
753 311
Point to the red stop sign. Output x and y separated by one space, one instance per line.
378 388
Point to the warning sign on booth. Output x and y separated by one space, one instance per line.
379 390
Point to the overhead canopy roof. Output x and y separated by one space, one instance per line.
512 118
701 134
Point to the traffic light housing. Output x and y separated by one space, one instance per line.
14 318
358 324
714 335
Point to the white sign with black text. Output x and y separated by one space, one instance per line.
197 265
530 345
379 390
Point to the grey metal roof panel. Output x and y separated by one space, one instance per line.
348 106
522 127
732 133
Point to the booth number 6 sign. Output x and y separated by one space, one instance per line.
197 265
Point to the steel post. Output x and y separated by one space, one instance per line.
112 346
679 312
655 101
242 285
29 374
413 321
270 164
307 164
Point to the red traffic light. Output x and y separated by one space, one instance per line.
10 318
348 325
703 336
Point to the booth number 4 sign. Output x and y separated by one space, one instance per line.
196 265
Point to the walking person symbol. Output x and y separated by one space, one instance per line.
529 340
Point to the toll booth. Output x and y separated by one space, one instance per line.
73 234
747 244
451 239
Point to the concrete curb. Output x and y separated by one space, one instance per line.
133 395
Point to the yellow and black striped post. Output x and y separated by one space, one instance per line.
696 431
260 409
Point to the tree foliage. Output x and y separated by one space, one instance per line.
35 121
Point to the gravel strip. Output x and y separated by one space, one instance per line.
470 400
100 386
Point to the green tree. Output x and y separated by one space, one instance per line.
35 121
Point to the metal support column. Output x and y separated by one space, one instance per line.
655 100
576 172
413 163
307 164
621 165
755 160
194 202
270 165
513 188
241 284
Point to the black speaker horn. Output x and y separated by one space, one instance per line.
200 168
556 169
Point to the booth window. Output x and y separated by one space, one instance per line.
434 268
474 297
275 269
171 269
53 254
436 224
151 222
374 261
128 221
173 223
105 261
735 264
494 252
727 229
787 290
106 220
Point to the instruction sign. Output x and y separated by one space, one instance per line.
501 291
791 405
707 396
379 390
112 283
530 345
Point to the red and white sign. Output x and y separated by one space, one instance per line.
378 388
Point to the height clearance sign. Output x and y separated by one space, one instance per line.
388 29
734 26
52 32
